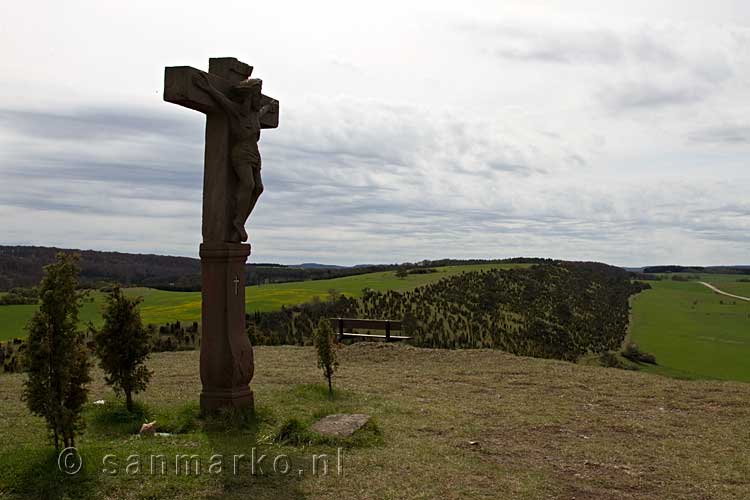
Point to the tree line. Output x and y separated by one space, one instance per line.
19 296
21 267
697 269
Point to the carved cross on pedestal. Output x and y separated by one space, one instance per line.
219 180
235 112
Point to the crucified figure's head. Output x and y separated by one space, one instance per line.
248 91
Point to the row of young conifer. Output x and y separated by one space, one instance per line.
57 361
554 309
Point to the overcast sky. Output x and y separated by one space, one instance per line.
409 130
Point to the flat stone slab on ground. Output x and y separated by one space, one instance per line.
340 424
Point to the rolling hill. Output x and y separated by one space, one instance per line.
22 266
161 306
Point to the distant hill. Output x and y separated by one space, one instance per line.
312 265
22 266
698 269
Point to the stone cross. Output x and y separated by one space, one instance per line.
182 85
235 111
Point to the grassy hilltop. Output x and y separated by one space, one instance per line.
448 424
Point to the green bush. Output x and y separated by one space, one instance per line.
20 296
422 270
610 359
123 345
323 338
633 353
292 432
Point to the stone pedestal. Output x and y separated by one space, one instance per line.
226 354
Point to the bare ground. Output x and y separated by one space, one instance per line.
482 424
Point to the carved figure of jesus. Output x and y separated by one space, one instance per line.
243 109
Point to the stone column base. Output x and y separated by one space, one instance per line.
226 354
214 400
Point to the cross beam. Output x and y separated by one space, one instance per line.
223 72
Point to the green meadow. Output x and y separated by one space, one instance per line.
161 306
13 319
740 288
692 331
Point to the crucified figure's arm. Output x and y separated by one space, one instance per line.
230 107
271 107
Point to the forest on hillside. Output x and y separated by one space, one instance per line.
22 267
555 309
697 269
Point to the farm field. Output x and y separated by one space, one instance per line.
160 306
692 331
447 424
13 319
735 287
729 283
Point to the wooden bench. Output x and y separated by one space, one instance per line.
345 328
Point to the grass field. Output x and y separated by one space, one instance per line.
13 319
692 331
162 306
735 287
474 424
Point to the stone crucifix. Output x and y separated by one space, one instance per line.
236 111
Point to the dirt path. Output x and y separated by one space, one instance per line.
709 285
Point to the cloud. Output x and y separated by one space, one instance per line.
723 134
352 179
376 184
556 137
373 160
401 174
645 94
543 45
95 124
632 69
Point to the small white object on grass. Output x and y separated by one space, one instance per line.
99 402
148 429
